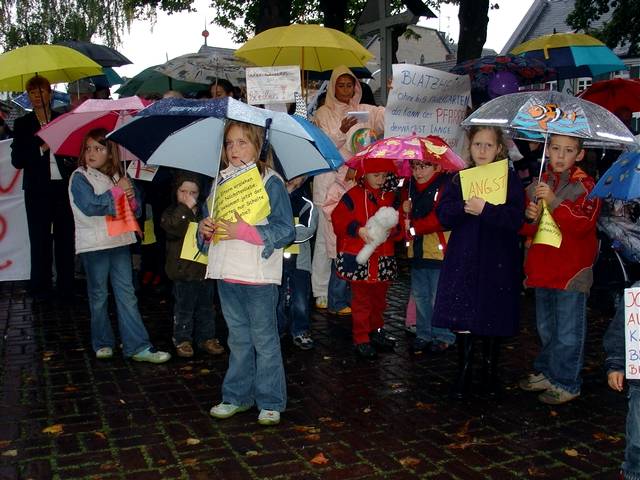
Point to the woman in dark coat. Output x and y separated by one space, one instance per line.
479 287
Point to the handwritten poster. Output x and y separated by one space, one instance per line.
15 258
139 170
267 85
426 101
486 181
548 232
244 193
632 332
124 220
190 249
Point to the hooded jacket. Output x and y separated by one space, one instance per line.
175 221
568 267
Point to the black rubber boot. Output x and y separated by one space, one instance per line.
491 385
461 388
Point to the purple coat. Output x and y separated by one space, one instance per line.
479 286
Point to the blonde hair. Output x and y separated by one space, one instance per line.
99 135
255 135
502 144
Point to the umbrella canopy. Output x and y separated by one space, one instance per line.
204 67
58 99
65 134
615 95
313 47
622 180
163 132
573 55
431 149
101 54
56 63
150 82
482 70
547 111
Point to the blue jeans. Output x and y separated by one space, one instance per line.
293 301
339 291
256 372
631 465
113 264
561 318
194 318
424 285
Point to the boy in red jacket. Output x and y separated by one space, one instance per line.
369 282
561 276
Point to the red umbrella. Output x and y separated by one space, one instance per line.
615 95
430 149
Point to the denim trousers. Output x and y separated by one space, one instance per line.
631 465
113 264
293 302
256 371
561 318
424 285
194 318
339 296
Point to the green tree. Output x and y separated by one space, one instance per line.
25 22
623 29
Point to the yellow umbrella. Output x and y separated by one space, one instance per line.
313 47
56 63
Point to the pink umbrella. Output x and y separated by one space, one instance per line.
402 150
64 135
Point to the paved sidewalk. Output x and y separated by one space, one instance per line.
65 415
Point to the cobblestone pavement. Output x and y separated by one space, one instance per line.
65 415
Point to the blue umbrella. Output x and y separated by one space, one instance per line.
188 134
622 180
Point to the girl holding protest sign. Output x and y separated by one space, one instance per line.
479 286
98 190
246 260
193 312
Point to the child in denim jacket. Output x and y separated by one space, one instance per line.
614 363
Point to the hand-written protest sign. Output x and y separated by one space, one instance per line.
124 220
15 261
632 332
427 102
190 249
486 181
272 84
548 232
244 193
141 171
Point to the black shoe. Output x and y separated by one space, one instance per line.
365 350
382 339
420 345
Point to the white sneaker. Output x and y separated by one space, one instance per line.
226 410
104 353
269 417
535 383
322 303
557 396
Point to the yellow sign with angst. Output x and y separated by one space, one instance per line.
488 182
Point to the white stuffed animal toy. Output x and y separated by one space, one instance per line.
378 228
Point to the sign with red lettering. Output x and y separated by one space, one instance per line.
426 101
124 220
632 332
15 262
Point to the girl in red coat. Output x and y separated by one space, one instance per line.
369 282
